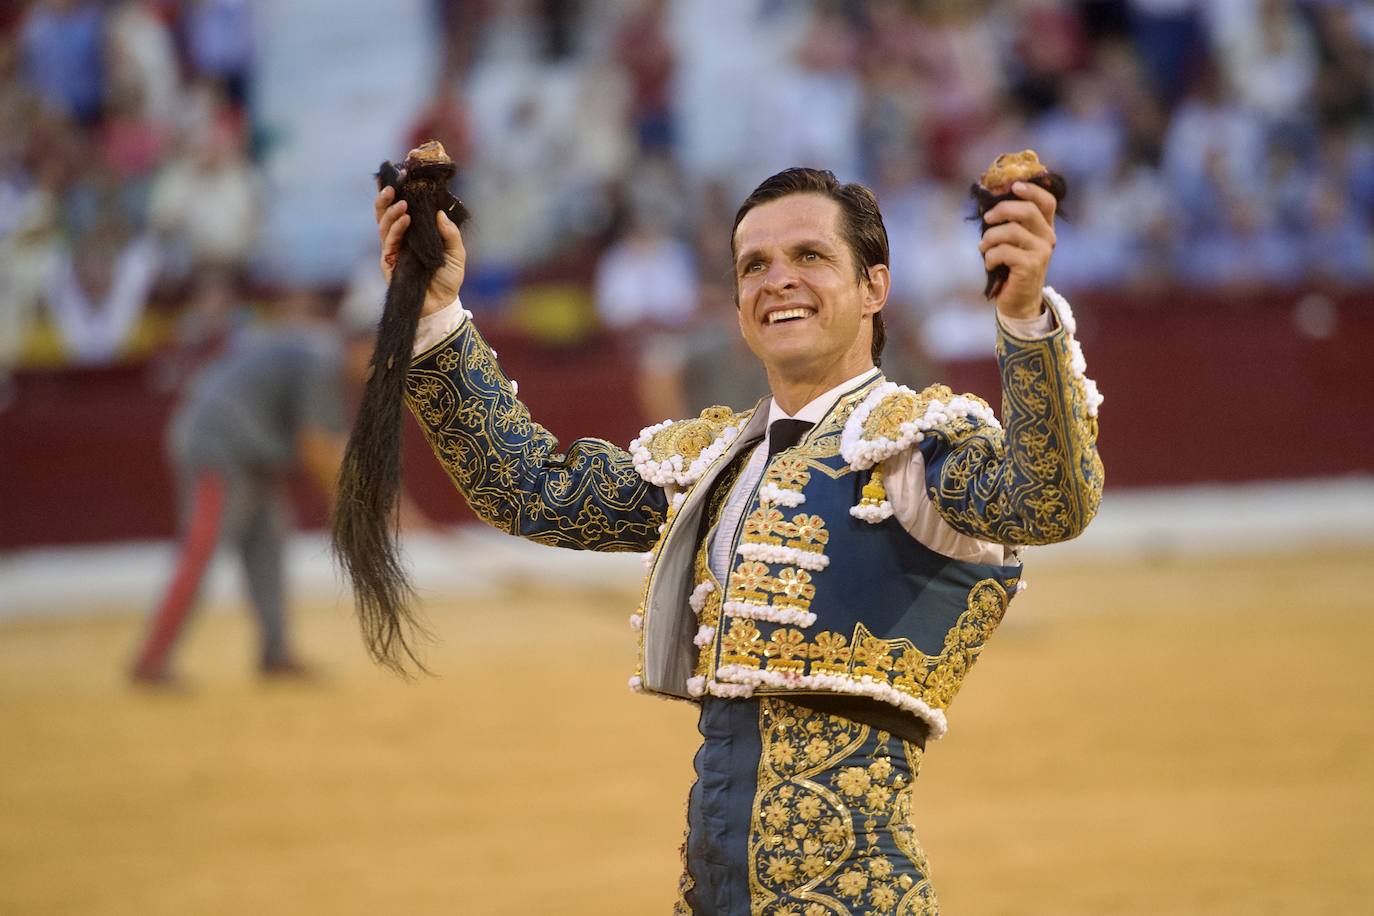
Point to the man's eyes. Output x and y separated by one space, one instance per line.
805 257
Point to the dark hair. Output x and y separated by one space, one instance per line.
861 224
366 521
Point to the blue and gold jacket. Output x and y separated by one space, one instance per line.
828 594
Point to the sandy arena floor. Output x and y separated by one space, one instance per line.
1181 738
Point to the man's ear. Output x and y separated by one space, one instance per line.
876 287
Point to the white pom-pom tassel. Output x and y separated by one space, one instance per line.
872 514
697 600
772 493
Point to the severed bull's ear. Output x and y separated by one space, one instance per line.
365 523
994 186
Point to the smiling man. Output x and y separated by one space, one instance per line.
826 567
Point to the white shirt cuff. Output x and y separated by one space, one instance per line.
436 328
1042 325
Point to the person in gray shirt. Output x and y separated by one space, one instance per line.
273 399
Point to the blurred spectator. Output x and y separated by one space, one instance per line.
1211 137
1269 58
1338 237
64 55
1083 137
1120 232
953 51
1345 85
708 364
142 63
727 52
97 291
219 40
643 48
646 281
936 306
30 245
1049 47
815 104
1142 116
445 119
895 108
132 147
206 203
214 313
1230 238
1168 36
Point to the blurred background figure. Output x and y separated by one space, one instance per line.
275 397
63 44
207 201
272 400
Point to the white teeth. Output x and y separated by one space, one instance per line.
784 314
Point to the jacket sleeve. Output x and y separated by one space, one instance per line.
1039 479
510 469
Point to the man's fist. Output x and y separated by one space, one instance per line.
392 222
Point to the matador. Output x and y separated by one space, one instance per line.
825 568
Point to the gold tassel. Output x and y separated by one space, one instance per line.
874 494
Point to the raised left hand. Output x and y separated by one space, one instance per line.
1022 239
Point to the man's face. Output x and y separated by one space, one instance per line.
802 308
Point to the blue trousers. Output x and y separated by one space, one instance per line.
795 811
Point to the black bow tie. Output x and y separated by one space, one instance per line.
785 434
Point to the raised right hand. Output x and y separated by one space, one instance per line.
392 222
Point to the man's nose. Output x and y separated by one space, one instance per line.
780 276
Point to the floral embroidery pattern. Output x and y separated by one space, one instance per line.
831 827
1041 481
784 481
508 467
862 664
677 453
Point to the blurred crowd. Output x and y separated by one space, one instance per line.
603 146
125 167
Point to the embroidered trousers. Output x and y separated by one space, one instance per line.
795 811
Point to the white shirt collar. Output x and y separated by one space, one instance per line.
819 407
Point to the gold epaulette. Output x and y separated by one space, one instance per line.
677 453
892 419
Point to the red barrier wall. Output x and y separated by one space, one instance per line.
1197 389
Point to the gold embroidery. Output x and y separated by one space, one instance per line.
784 648
689 438
788 472
742 645
830 830
1041 481
897 663
872 657
507 466
886 419
750 582
807 532
765 525
792 588
829 653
